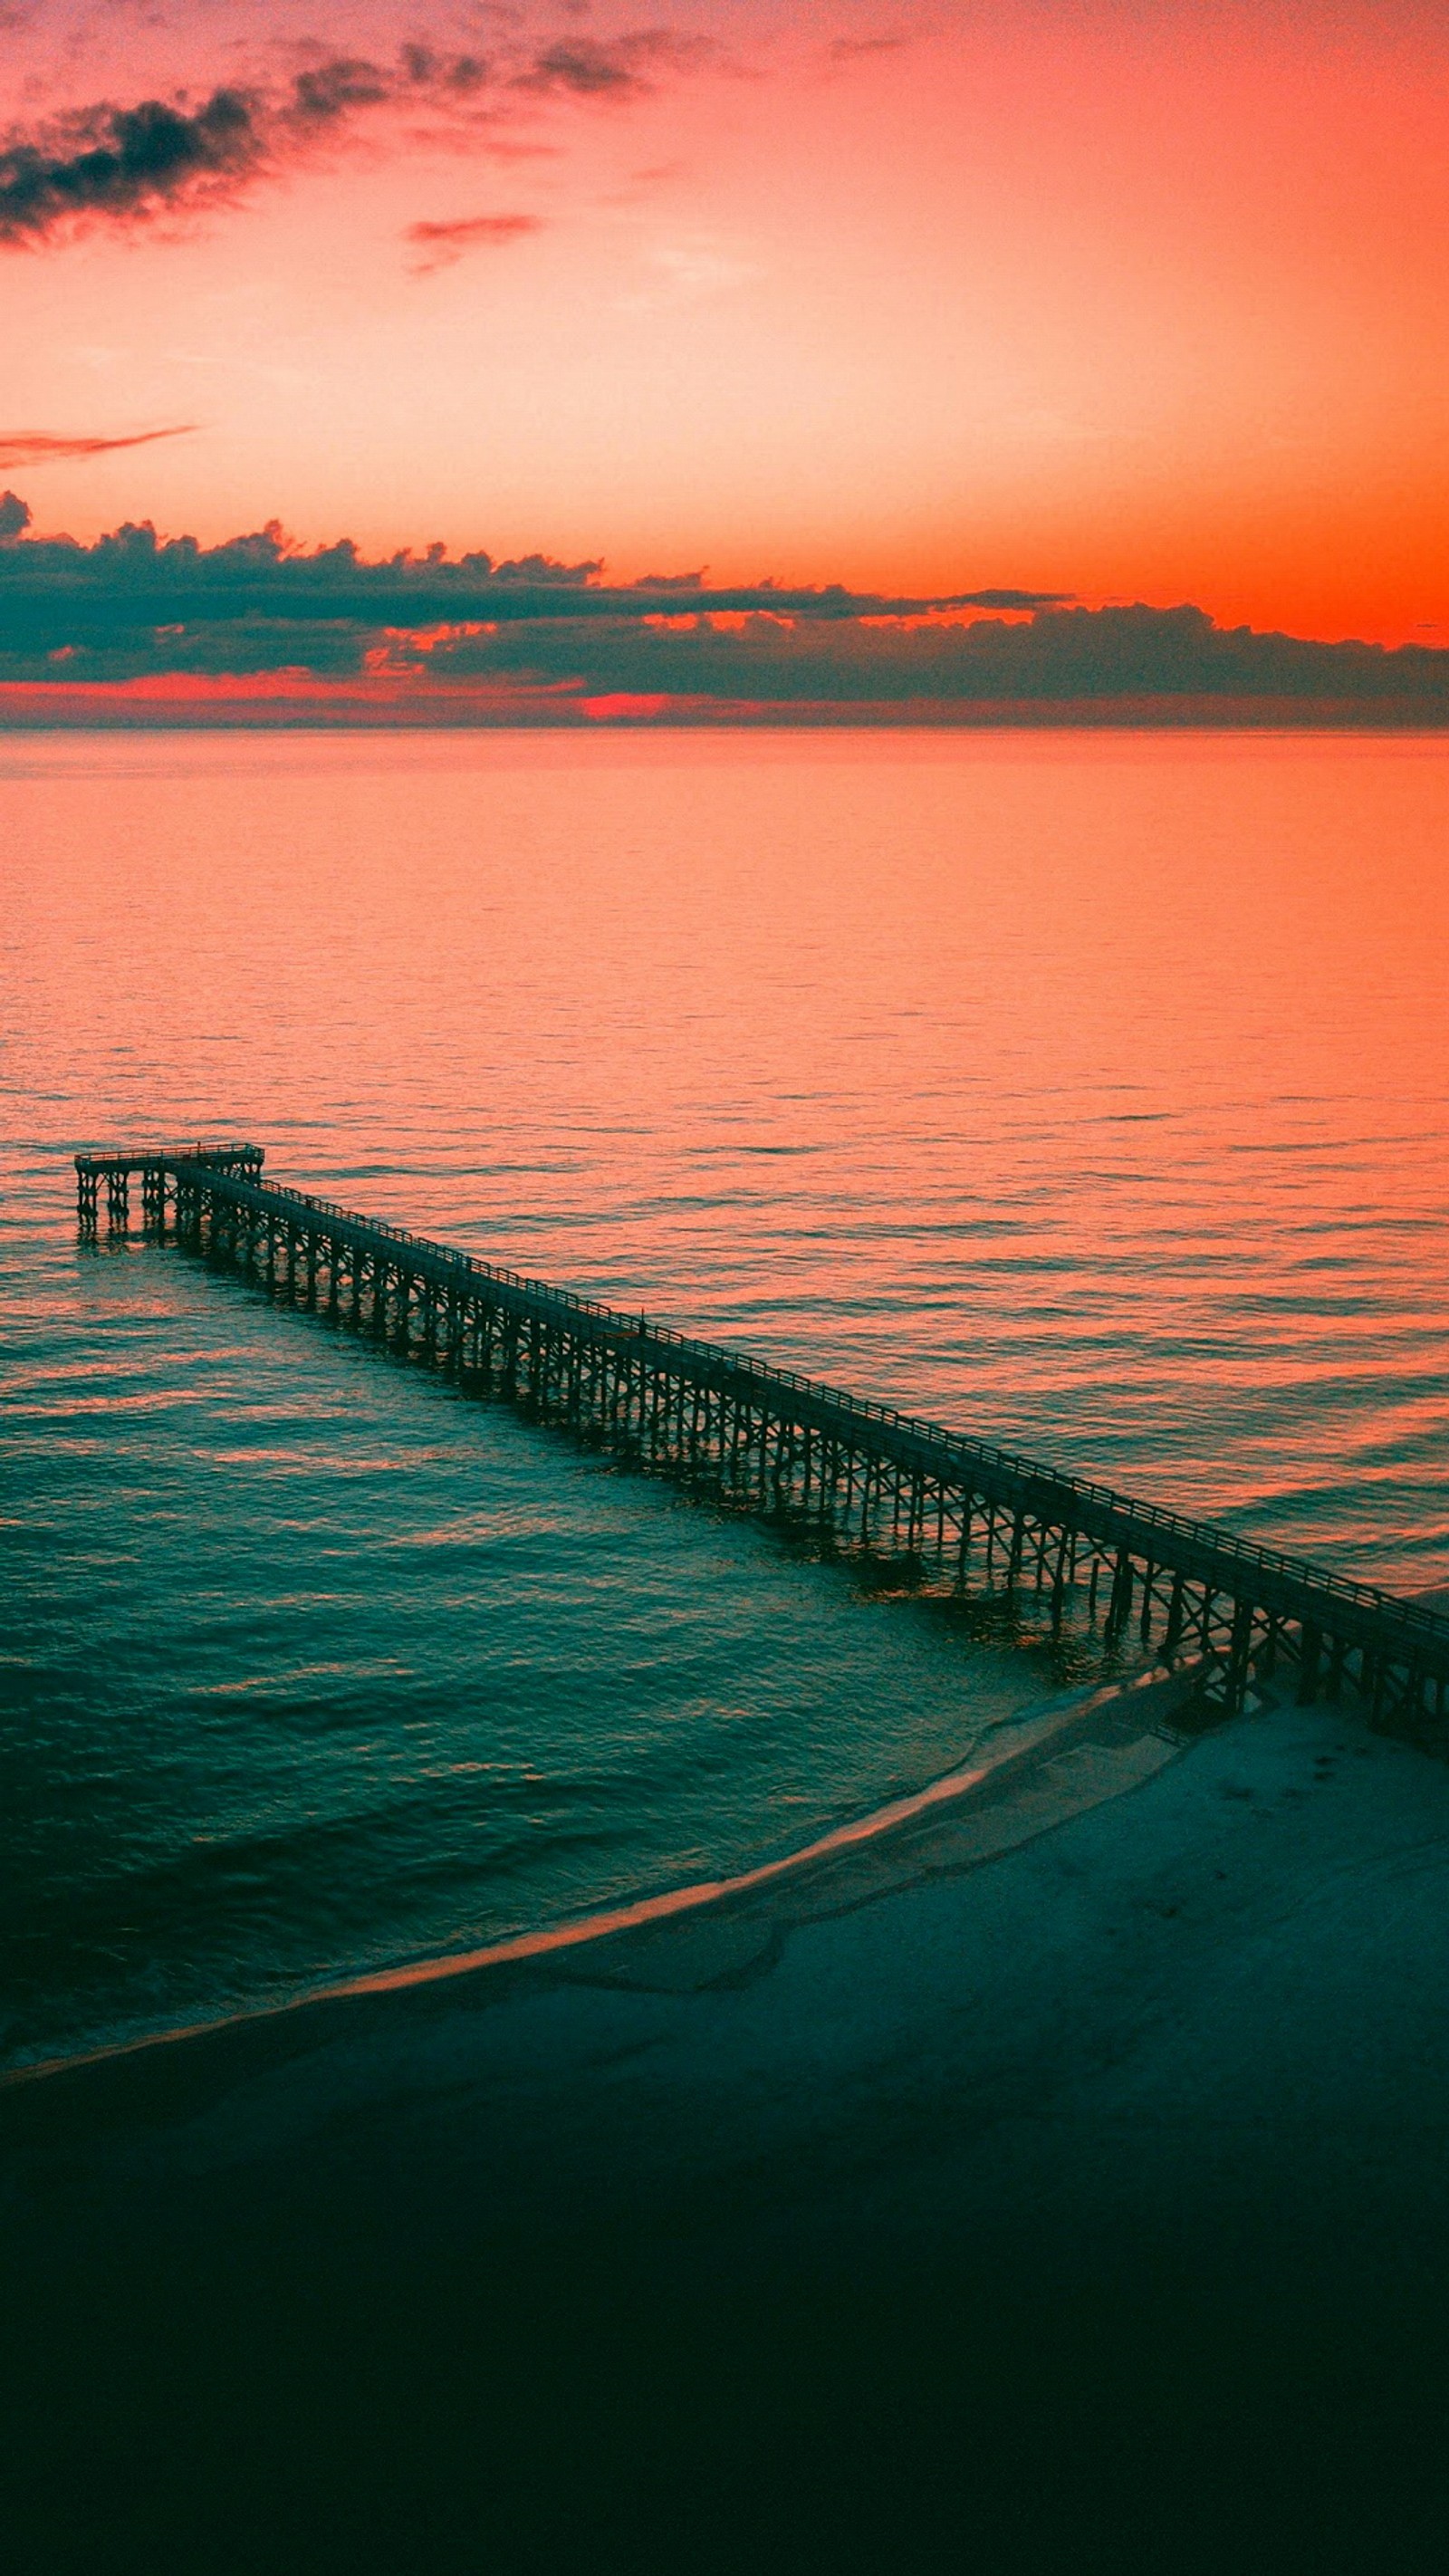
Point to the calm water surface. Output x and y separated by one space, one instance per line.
1087 1092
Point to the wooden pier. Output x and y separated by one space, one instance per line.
857 1474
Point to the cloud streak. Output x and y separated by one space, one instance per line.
854 49
620 67
442 245
124 165
27 447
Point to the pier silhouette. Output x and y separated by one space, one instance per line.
860 1476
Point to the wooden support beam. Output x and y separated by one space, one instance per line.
773 1439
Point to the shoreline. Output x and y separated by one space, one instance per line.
1024 1745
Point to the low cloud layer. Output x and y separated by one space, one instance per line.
430 637
119 165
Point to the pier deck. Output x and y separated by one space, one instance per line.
858 1473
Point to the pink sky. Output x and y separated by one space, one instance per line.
1138 301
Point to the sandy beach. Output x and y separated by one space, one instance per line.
1111 2094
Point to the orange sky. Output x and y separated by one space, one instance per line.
1137 301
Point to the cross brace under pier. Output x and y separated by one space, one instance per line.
857 1474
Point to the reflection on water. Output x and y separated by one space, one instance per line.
1087 1093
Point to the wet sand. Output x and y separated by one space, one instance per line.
1055 2180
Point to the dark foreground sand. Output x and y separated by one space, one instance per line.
1059 2182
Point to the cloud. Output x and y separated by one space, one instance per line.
26 447
117 163
471 638
338 89
851 49
895 656
127 165
612 67
134 604
442 245
1014 599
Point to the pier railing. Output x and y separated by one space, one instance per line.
785 1441
1207 1535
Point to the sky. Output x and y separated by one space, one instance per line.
1115 301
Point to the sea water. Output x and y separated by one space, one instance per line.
1086 1092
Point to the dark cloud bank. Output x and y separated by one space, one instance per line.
136 630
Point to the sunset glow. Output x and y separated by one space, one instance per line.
1133 303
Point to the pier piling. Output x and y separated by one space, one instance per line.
857 1474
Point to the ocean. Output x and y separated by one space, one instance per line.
1086 1092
